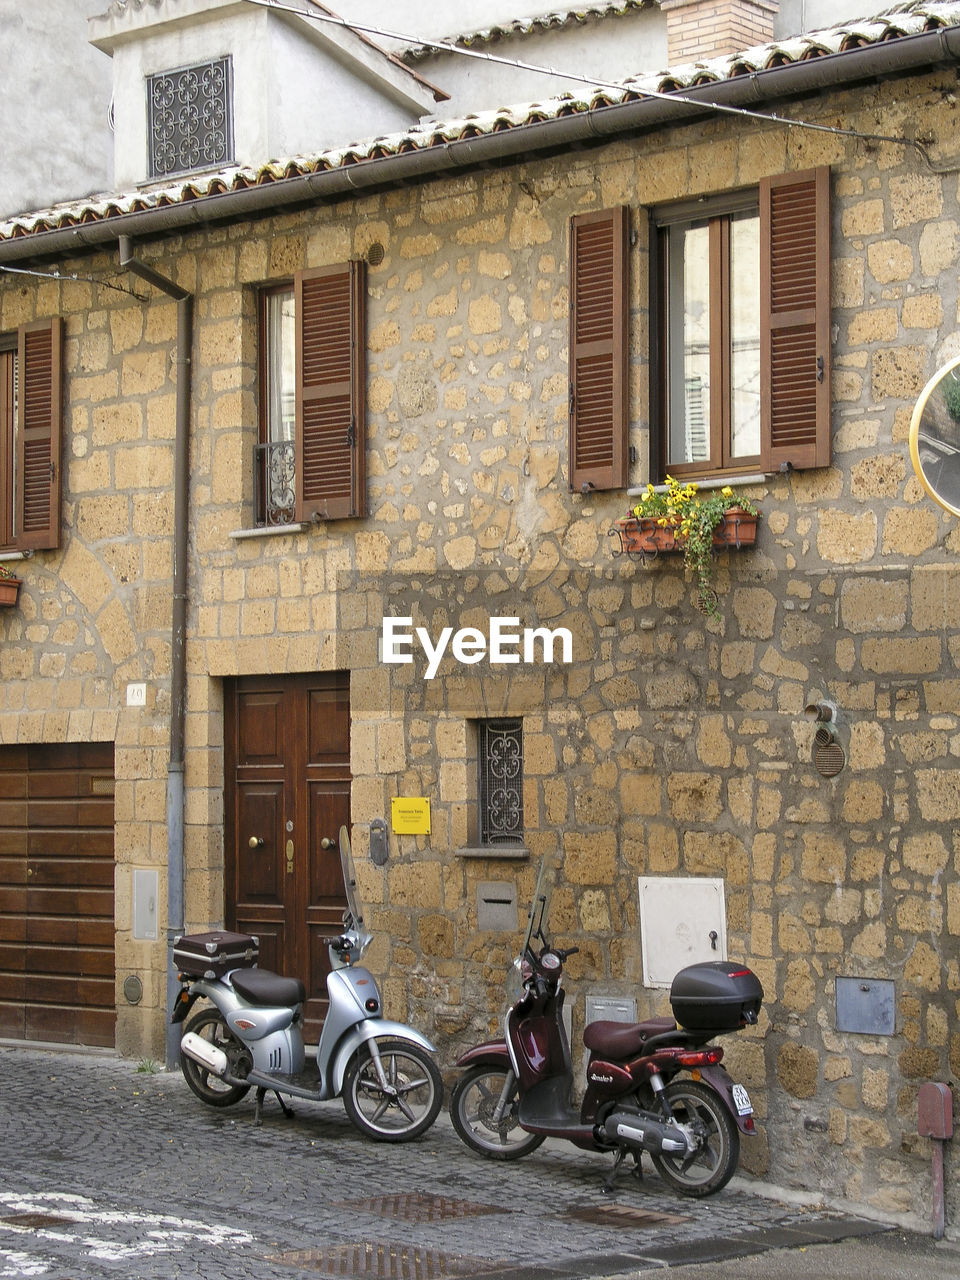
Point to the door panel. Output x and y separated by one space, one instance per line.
287 782
56 893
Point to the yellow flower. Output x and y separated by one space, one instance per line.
727 491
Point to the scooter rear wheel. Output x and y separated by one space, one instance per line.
472 1103
411 1102
210 1088
712 1166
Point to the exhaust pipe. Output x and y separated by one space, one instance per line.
642 1132
207 1054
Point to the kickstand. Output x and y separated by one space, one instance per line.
258 1108
636 1171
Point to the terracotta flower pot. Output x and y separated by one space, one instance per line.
646 536
9 590
739 529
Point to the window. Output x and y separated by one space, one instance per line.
742 349
190 118
30 437
500 781
599 427
310 463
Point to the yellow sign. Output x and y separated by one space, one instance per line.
410 815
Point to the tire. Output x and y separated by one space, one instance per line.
702 1112
414 1098
472 1102
210 1088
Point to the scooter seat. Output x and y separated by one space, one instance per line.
624 1040
261 986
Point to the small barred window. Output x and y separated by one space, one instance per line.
190 118
500 781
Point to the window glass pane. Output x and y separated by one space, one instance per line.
688 343
280 372
745 336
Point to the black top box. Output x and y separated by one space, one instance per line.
718 995
211 955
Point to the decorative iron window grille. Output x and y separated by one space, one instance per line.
190 118
276 470
500 789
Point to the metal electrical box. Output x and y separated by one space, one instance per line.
866 1006
683 920
935 1110
146 890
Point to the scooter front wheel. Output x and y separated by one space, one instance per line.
209 1088
474 1099
711 1165
402 1107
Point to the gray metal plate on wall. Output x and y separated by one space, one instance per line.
379 847
866 1006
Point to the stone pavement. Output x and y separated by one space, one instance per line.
107 1171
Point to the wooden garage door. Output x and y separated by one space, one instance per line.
56 893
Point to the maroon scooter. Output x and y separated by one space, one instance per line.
652 1086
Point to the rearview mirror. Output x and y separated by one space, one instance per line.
935 437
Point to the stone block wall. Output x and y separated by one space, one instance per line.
672 744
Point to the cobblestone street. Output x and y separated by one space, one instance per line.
110 1171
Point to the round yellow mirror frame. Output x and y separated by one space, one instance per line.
935 437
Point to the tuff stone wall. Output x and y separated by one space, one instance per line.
673 744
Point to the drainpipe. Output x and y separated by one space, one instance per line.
178 666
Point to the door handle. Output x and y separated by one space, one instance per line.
327 843
289 852
255 842
713 939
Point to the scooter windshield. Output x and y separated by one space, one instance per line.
536 923
353 916
541 901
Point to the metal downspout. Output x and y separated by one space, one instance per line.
178 665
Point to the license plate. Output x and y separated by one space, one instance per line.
741 1100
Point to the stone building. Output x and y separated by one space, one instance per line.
421 379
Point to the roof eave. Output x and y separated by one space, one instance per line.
754 91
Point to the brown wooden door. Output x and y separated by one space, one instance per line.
56 893
287 795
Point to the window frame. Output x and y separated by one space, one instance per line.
487 837
262 507
795 406
330 394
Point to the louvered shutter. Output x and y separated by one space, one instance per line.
37 498
598 350
330 409
795 319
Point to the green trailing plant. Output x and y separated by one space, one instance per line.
951 395
693 520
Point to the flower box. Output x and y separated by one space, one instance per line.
647 536
9 591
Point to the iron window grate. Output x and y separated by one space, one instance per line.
190 117
500 782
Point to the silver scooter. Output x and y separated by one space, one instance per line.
252 1037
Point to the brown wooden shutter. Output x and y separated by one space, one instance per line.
330 407
598 350
795 319
37 497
